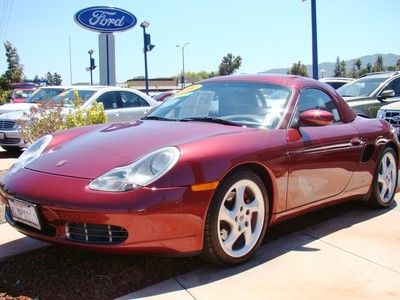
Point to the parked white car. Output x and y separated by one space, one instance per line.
391 113
336 82
120 104
40 95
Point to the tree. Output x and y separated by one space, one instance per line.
358 64
298 69
368 67
353 72
343 68
15 70
229 64
378 65
195 76
337 70
53 79
398 65
57 80
49 78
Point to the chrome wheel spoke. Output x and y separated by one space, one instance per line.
232 238
228 216
387 177
248 235
241 218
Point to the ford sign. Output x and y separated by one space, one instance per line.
105 19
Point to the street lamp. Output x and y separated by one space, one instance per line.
183 62
147 48
91 65
314 39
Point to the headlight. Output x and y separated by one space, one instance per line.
31 153
380 114
140 173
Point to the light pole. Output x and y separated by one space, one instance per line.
314 39
91 65
183 62
144 25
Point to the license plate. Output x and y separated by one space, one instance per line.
2 136
24 212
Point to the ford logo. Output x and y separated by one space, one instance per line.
396 118
105 19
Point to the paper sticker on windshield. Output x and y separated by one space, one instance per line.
188 90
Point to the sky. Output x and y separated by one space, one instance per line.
266 34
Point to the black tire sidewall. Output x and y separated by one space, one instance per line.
218 198
375 199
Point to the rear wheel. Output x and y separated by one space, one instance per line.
385 180
237 219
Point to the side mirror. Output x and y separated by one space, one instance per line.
386 94
316 117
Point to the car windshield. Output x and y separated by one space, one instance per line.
22 93
362 87
67 98
231 103
44 94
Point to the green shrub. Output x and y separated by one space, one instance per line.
49 118
5 96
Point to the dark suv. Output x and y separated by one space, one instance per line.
367 94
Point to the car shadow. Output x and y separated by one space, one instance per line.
8 154
292 235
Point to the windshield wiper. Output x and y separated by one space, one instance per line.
211 120
158 118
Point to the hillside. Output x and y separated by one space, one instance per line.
388 60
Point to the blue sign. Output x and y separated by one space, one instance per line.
105 19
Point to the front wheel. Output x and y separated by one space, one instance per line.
237 219
385 180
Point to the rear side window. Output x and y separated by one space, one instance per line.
109 100
129 99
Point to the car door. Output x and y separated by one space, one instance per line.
133 107
322 158
110 103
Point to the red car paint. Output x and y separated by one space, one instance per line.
303 168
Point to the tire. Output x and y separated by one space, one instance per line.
11 149
236 220
384 183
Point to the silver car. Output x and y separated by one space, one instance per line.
120 104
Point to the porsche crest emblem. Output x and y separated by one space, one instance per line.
61 163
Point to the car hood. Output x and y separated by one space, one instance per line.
352 99
16 107
392 106
12 116
106 147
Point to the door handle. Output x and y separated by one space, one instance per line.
356 141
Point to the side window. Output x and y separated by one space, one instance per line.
394 85
109 100
132 100
316 99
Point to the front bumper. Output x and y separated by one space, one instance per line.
11 138
167 220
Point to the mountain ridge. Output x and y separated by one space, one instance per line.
389 59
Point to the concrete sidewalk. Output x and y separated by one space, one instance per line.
353 256
7 159
13 242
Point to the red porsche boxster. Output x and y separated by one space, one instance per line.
207 171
